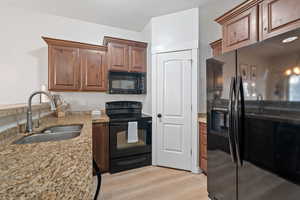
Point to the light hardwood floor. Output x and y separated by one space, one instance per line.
154 183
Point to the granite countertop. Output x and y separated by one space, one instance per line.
103 118
202 117
49 170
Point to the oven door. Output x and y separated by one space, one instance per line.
119 145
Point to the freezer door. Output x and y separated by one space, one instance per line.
270 141
221 158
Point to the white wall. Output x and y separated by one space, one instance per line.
210 31
177 32
23 54
147 36
171 30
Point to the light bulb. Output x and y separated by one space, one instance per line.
296 70
288 72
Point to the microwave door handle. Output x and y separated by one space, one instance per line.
231 119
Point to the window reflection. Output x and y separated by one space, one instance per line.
294 87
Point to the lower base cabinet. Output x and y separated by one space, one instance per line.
101 146
203 146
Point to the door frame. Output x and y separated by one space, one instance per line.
195 168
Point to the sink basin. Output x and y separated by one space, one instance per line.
65 128
55 133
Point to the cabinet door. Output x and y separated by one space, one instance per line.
93 70
63 68
279 16
101 146
137 59
241 30
118 57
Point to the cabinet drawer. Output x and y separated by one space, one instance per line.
204 165
241 30
203 151
279 16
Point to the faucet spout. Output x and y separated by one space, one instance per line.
29 125
260 99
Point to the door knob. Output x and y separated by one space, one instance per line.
159 115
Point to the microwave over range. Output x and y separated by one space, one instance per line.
127 83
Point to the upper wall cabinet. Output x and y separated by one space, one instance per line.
75 66
279 16
240 26
118 57
216 47
63 68
257 20
137 59
126 55
93 70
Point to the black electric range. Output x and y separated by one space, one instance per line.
125 155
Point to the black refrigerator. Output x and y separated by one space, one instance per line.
253 120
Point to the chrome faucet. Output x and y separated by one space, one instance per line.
260 99
29 128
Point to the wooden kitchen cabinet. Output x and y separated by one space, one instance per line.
63 68
93 70
101 146
137 59
278 16
75 66
216 47
126 55
203 146
118 57
257 20
239 28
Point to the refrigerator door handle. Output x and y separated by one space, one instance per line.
239 120
231 128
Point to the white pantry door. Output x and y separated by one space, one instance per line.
174 105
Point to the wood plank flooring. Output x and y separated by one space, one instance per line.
154 183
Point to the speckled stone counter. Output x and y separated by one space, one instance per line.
202 117
49 170
103 118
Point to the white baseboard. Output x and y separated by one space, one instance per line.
197 171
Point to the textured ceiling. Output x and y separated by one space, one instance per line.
128 14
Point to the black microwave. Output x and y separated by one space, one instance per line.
127 83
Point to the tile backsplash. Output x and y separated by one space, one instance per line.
13 118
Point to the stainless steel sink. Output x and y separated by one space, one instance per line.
55 133
65 128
